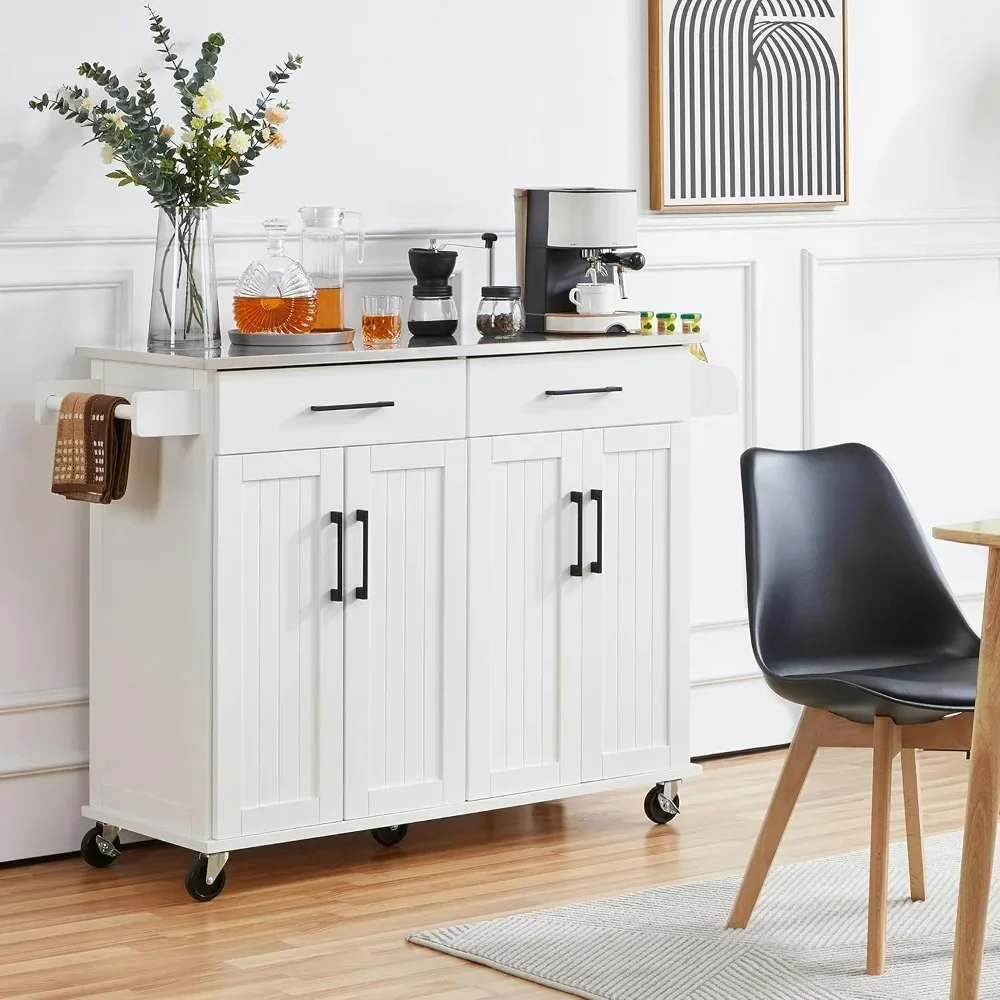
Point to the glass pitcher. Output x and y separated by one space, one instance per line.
323 246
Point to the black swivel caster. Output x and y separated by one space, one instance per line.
654 806
197 885
98 852
390 836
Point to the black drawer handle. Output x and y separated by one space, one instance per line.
337 518
584 392
380 405
597 566
577 568
361 593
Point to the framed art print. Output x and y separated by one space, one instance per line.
748 103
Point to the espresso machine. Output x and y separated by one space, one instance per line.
571 236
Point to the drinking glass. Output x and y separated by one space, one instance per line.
381 320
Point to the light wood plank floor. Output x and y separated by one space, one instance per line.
329 918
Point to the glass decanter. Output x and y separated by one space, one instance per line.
274 294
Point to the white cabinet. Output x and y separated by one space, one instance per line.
524 613
635 673
405 627
279 685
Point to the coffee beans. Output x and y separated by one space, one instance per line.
499 324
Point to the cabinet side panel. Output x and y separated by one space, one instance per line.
151 694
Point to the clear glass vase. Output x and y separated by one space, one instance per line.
184 309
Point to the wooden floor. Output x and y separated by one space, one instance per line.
330 918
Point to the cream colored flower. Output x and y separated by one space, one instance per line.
276 116
167 132
278 140
116 118
211 91
219 142
197 124
202 106
107 153
88 104
188 137
219 117
265 135
239 142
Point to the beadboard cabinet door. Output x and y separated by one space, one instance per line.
279 675
635 619
405 658
524 613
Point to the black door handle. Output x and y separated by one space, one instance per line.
584 392
337 518
577 568
597 566
361 593
380 405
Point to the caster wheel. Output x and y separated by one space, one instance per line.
655 812
91 852
197 885
390 836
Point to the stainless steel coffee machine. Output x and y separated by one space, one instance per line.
570 237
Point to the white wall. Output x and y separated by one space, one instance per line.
878 322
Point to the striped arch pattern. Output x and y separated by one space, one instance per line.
755 102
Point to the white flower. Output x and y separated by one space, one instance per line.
219 117
107 153
116 118
197 124
265 135
202 106
239 142
211 91
88 104
187 137
219 142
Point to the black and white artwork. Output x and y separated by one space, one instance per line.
751 98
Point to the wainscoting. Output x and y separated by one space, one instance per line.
840 328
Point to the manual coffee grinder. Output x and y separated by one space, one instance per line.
433 312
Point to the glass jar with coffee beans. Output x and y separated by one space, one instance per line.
501 313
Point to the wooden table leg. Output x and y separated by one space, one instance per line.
983 804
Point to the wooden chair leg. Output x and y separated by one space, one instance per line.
887 745
793 775
914 829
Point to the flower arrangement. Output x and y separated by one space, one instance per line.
203 165
185 173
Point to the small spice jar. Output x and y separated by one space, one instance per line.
501 313
690 323
666 322
648 319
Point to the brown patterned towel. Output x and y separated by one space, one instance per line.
92 448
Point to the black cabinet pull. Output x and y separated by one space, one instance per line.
361 593
584 392
577 568
597 566
380 405
337 518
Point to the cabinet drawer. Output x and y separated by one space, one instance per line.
272 410
558 392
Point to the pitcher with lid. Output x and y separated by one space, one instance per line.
323 248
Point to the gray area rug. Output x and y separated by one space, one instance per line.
805 942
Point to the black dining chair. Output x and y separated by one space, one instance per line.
851 618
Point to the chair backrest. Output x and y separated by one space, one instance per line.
837 566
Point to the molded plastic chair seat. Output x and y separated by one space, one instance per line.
859 689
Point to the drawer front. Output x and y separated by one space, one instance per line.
560 392
333 407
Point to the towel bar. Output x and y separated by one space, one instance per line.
153 412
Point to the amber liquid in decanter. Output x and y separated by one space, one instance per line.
259 314
329 309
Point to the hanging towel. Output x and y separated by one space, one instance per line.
92 448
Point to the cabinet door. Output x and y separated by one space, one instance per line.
405 637
635 673
278 698
524 613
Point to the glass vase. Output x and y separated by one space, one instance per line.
184 309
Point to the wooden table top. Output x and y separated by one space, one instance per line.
973 533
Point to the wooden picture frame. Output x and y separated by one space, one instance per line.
736 152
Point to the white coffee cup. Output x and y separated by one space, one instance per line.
594 300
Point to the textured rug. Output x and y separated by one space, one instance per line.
806 940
